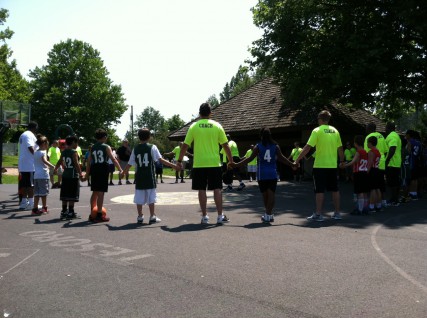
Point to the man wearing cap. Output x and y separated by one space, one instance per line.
123 152
205 135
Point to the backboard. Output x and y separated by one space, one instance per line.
14 114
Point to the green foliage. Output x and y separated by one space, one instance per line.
12 85
174 123
213 101
74 88
239 83
371 54
152 119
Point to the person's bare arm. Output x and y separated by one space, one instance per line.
114 160
371 157
282 158
244 161
304 151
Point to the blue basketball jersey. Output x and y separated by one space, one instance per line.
266 169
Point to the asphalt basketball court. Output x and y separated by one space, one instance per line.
371 266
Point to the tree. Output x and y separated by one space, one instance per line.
152 119
13 86
370 54
74 88
239 83
213 101
174 123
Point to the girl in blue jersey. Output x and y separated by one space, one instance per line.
268 152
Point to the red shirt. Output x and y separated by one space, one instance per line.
362 164
377 157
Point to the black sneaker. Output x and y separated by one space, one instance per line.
73 215
63 215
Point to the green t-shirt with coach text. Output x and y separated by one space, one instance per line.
327 140
393 140
206 134
381 146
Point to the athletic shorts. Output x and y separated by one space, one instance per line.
393 175
123 164
207 177
265 185
99 179
41 187
146 196
374 179
70 189
58 172
27 179
325 179
381 180
111 167
159 170
361 182
252 168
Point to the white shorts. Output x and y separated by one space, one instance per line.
252 168
143 197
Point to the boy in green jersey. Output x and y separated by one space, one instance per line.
393 162
292 157
143 157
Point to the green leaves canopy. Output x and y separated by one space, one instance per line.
371 54
74 88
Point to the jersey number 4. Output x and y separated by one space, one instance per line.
267 156
144 160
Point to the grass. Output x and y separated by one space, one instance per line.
10 161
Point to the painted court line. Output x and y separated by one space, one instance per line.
389 261
28 257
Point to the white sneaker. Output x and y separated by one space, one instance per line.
222 219
266 218
140 219
154 219
24 205
205 220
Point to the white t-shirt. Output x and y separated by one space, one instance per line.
26 158
41 169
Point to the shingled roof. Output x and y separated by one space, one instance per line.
262 106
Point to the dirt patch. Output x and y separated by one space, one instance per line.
10 171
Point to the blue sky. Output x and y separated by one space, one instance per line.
170 55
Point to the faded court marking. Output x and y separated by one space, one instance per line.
184 198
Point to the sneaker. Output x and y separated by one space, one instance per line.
140 219
120 183
63 215
161 181
241 187
272 218
182 181
73 215
205 220
36 212
176 181
222 219
336 216
266 218
44 210
128 182
413 197
154 219
111 183
24 205
393 203
316 217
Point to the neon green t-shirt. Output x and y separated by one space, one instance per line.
348 155
393 140
327 140
295 153
253 162
381 146
233 147
206 134
54 153
176 151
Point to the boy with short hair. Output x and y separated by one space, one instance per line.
97 168
70 186
143 157
374 175
360 174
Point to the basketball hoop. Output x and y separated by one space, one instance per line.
13 123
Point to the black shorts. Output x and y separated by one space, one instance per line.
159 170
111 167
393 175
265 185
99 179
207 177
374 179
361 182
70 189
26 180
325 179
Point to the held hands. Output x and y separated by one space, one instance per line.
83 177
342 165
178 166
231 165
295 165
